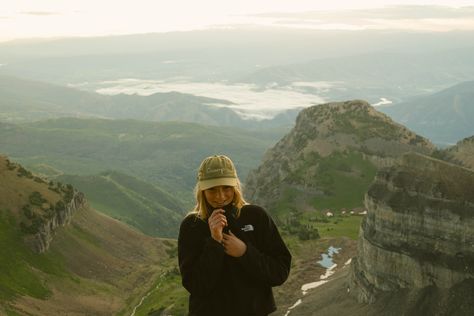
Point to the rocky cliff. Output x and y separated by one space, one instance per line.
418 231
40 207
333 148
462 153
41 239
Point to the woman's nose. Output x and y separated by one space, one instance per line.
220 193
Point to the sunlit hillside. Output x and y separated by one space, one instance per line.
91 265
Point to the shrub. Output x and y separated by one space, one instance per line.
22 172
27 211
36 198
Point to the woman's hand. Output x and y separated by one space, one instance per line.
217 221
233 246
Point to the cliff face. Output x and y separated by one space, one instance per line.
38 206
41 240
418 231
462 153
341 140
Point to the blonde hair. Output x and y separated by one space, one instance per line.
201 206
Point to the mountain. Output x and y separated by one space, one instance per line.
131 200
46 101
415 254
444 117
166 154
462 153
392 75
206 55
329 158
58 256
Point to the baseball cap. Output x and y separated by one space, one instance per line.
217 170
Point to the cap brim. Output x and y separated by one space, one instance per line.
207 184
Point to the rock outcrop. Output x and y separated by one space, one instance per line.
418 231
462 153
39 206
41 240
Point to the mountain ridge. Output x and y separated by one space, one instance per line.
350 138
445 117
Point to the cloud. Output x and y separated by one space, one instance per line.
246 99
40 13
390 12
417 17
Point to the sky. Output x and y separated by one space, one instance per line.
21 19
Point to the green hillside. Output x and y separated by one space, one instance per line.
93 265
162 153
326 164
130 200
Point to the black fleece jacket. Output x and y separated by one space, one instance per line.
221 285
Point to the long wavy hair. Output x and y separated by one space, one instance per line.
201 208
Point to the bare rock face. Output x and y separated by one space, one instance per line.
462 153
41 240
419 229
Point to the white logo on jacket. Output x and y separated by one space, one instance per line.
247 228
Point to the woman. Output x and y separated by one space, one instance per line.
230 252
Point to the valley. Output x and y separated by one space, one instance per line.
101 138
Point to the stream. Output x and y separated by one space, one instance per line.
148 294
325 262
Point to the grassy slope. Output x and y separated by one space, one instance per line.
95 265
135 202
343 178
166 153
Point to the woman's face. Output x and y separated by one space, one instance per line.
219 196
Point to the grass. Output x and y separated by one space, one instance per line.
19 265
137 203
345 177
347 226
167 295
161 153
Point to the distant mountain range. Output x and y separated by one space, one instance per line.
445 117
207 55
26 100
395 76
